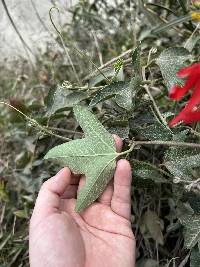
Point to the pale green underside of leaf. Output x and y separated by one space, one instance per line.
93 156
170 61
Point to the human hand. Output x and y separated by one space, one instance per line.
100 236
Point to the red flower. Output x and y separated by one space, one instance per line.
191 112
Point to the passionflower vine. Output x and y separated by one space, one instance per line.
191 111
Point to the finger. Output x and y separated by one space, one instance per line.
121 199
106 196
48 199
75 178
81 182
70 192
118 142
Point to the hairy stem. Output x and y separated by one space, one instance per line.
155 105
80 53
159 142
63 43
108 63
35 123
15 28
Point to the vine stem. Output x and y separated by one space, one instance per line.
35 123
79 52
63 43
159 142
108 63
155 105
64 130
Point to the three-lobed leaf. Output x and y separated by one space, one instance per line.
95 156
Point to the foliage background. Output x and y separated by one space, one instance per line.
165 190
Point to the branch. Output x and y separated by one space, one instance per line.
108 63
15 28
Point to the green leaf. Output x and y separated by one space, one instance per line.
170 61
120 90
195 257
156 131
61 97
120 128
21 213
145 171
192 42
181 162
153 225
98 77
191 223
147 263
136 62
194 199
169 25
95 156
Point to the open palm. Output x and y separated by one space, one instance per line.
101 235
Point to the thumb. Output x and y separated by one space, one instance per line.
48 200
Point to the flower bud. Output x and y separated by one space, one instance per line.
196 3
195 16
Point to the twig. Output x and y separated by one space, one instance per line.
108 63
64 130
159 142
80 53
167 143
155 105
63 43
15 28
97 47
35 123
40 19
